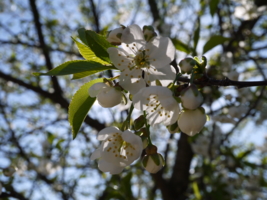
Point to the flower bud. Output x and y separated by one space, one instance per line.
191 98
114 36
149 32
233 75
174 128
109 97
187 65
191 122
153 163
9 171
145 141
139 122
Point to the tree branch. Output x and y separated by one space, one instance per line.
55 97
180 177
43 45
18 42
224 82
95 15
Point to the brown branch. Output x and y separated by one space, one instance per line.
18 42
54 97
43 45
95 15
180 177
224 82
155 13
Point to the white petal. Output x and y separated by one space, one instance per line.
161 52
133 34
119 57
106 132
132 80
113 36
105 166
96 154
139 99
165 75
173 117
135 141
96 88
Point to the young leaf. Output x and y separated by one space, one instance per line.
76 66
179 45
82 35
213 42
98 44
196 33
87 53
213 6
80 105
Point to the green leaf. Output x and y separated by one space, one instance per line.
179 45
213 42
196 33
97 43
76 66
196 190
82 35
87 53
80 105
213 6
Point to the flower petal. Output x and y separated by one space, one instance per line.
165 75
106 132
132 80
105 166
96 88
96 154
119 58
161 52
133 34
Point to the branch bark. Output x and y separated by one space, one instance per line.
54 97
43 45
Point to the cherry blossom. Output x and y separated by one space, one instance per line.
150 165
142 62
107 96
191 98
117 150
114 36
159 104
191 122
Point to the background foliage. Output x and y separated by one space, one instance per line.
227 160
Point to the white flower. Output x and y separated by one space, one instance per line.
153 163
114 36
159 104
248 11
106 96
191 122
191 98
187 65
117 150
233 75
137 56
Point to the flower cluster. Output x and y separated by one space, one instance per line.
144 61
